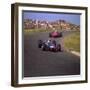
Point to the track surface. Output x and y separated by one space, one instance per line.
45 63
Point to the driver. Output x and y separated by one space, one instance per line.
48 42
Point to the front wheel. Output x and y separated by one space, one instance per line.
59 47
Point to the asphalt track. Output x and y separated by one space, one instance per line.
44 63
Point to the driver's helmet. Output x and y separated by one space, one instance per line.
49 40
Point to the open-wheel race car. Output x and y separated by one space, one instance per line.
55 34
49 45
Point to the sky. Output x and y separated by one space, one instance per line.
72 18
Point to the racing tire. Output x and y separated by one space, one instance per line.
59 47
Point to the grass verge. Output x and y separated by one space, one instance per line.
72 42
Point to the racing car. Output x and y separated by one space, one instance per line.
49 45
55 34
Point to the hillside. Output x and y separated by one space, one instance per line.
46 25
